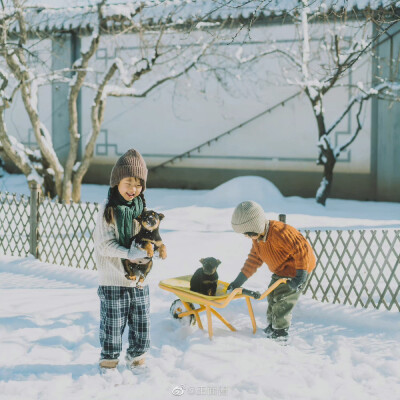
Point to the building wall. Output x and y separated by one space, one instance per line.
280 145
290 183
387 135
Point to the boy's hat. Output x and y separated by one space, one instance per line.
130 164
248 217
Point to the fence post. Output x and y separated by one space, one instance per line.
34 219
282 218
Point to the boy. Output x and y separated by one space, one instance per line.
287 254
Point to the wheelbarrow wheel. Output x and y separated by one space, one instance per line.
177 307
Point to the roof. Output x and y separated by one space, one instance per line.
46 15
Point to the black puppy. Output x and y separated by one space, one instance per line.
137 271
205 279
149 237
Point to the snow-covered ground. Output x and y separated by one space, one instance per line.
49 315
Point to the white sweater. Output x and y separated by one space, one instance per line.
108 253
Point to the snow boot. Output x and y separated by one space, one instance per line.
268 330
109 371
277 334
108 363
136 364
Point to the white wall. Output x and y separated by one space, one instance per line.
179 116
184 114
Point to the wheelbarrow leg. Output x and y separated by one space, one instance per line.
195 312
221 318
209 322
251 313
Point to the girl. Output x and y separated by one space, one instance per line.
120 301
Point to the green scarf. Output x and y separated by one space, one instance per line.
125 212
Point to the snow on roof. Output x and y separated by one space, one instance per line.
46 15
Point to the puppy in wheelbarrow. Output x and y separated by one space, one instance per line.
287 254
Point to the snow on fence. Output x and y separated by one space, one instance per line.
356 267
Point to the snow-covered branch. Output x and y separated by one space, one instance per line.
17 152
115 91
272 50
390 89
28 84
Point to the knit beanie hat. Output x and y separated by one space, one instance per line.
130 164
248 217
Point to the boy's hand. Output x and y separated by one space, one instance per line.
297 283
240 279
230 289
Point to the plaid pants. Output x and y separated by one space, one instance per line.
119 305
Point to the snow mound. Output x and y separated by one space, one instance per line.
243 188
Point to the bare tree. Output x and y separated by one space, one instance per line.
158 63
320 59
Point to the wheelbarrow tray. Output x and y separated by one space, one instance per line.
180 286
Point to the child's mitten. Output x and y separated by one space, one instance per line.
240 279
297 283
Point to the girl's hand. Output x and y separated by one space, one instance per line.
141 261
135 252
162 251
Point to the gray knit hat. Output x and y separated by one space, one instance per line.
130 164
248 217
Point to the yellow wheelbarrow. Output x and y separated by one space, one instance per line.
180 286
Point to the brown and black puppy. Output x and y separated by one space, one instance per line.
149 237
137 271
205 279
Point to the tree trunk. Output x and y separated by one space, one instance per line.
325 186
326 157
49 185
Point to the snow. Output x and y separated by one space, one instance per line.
319 109
114 90
59 15
76 166
49 315
34 93
201 25
20 151
122 71
322 188
313 92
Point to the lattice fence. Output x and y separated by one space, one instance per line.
14 224
357 267
65 233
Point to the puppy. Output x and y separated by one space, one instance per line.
137 271
205 279
149 238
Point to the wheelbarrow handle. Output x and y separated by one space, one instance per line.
251 293
272 288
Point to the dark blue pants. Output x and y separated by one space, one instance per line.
119 306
